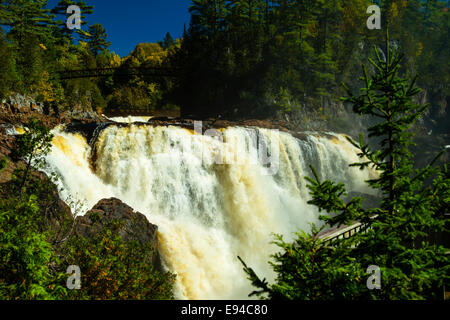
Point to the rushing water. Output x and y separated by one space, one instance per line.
129 119
211 198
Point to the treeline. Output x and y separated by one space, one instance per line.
238 58
35 43
259 58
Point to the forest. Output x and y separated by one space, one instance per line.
236 59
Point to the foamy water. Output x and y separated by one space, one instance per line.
208 213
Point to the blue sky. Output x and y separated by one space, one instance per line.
134 21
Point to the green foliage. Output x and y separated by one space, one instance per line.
308 270
37 242
36 46
27 19
31 146
141 93
398 236
96 38
167 42
3 164
8 75
25 255
116 269
238 55
29 25
63 33
136 98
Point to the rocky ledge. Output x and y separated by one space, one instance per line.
212 123
18 109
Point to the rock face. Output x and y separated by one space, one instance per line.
135 226
22 104
18 109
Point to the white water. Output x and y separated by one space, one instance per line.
207 213
129 119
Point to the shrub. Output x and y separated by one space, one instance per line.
113 268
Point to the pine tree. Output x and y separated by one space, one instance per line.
167 42
96 38
399 235
65 33
30 25
8 75
27 19
30 63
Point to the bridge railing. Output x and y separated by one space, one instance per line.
344 232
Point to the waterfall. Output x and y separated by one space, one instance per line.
211 197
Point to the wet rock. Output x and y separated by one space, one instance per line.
82 113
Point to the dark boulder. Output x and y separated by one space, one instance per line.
134 225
